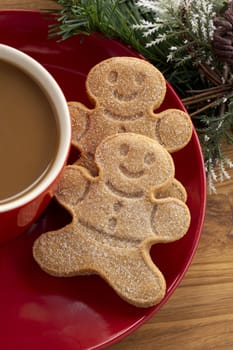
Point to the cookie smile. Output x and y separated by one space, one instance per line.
121 193
131 174
122 117
125 97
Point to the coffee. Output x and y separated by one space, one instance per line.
28 132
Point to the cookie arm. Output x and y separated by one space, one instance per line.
173 129
80 120
175 189
170 219
73 186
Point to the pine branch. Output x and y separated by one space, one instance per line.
191 42
206 94
113 18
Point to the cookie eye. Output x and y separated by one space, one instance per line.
112 76
149 158
121 129
140 78
124 149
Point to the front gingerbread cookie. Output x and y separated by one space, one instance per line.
116 217
125 91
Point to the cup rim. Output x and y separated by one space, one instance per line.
51 88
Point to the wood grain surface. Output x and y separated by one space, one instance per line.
27 4
199 315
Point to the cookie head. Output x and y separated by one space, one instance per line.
131 164
126 87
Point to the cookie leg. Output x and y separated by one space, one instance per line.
129 271
133 276
170 219
61 252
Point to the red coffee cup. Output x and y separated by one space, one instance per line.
18 212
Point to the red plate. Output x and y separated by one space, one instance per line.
38 311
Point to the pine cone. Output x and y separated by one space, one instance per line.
223 36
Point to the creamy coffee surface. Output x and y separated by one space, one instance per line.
28 132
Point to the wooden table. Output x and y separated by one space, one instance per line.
199 315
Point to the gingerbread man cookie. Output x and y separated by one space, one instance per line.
116 217
125 91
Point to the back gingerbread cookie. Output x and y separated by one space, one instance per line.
125 92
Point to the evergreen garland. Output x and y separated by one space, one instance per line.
190 41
